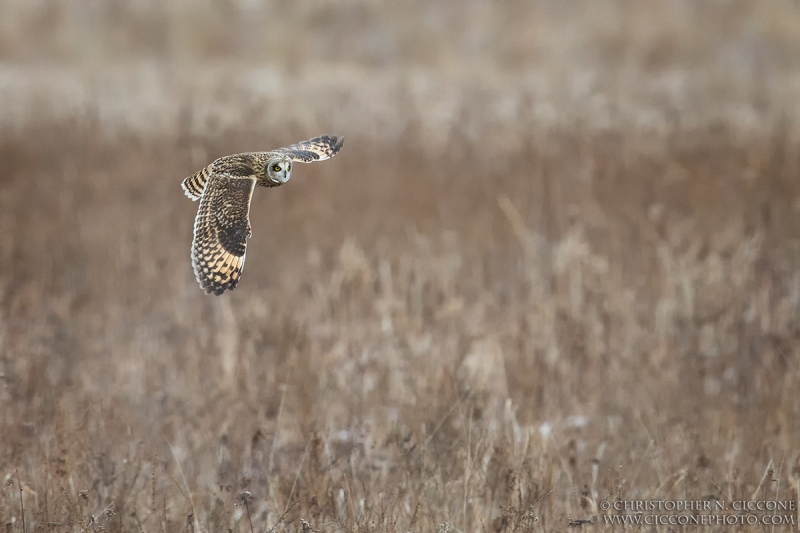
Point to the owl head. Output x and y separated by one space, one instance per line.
279 169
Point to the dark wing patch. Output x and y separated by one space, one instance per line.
221 230
316 149
193 185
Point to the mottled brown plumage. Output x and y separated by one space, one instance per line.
225 188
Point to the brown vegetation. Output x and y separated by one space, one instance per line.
544 272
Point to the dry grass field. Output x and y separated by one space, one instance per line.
557 263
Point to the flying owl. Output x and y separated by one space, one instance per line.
224 188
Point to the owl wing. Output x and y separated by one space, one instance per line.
221 230
316 149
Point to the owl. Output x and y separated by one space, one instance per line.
224 188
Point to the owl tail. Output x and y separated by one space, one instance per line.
193 185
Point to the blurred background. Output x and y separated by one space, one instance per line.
556 262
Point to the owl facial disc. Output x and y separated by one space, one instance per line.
280 170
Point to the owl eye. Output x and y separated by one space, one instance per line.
276 168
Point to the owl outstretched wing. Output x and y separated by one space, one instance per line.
221 230
316 149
